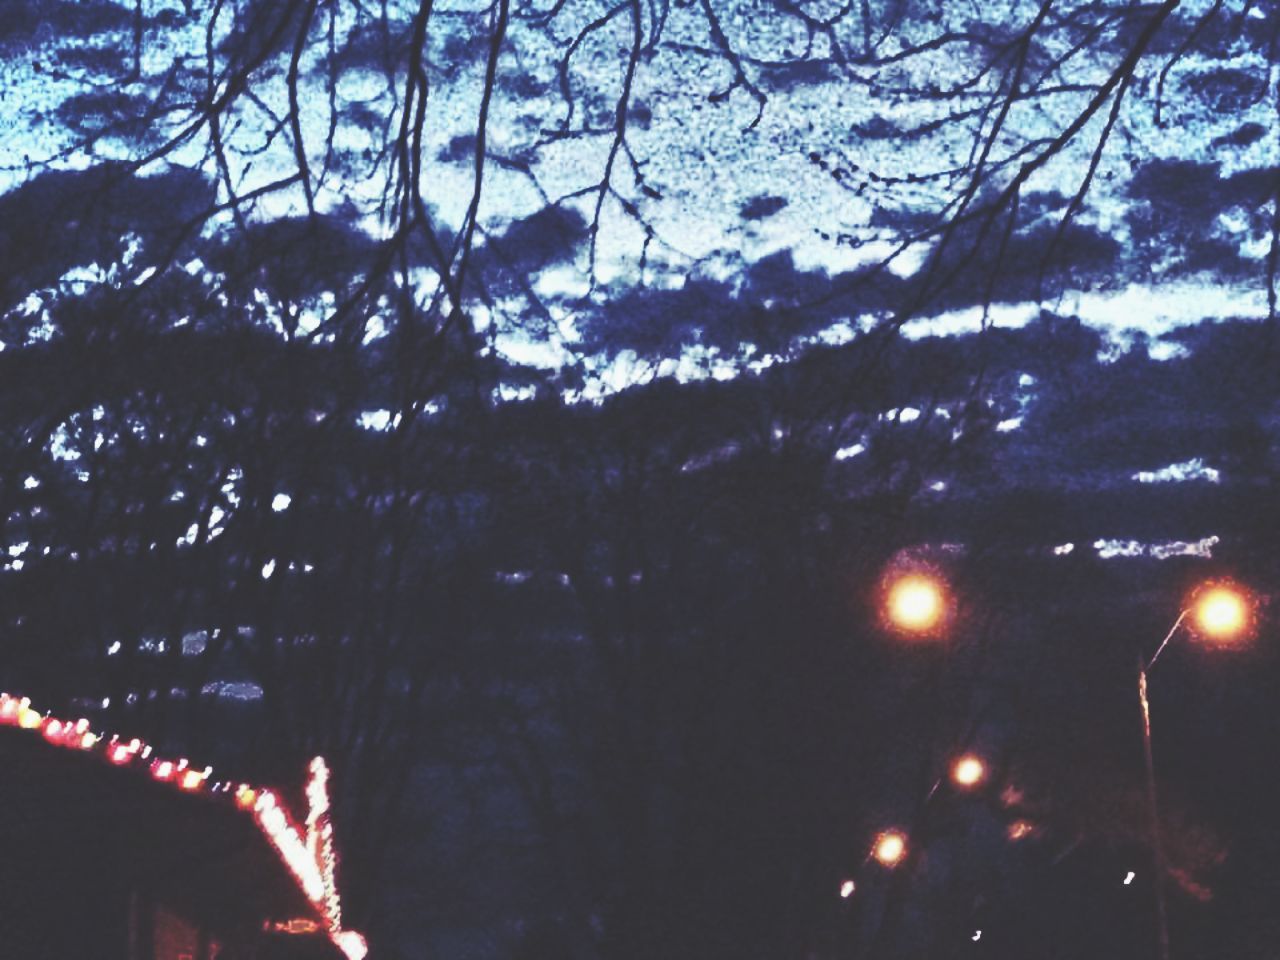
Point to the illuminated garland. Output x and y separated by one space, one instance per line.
308 855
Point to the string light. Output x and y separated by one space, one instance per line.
308 855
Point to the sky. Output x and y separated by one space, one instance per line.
704 162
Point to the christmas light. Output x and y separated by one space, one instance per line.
351 944
308 854
28 719
290 845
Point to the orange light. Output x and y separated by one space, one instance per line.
916 603
968 771
890 848
1222 612
191 780
1019 829
297 925
246 797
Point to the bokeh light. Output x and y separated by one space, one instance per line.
1222 612
846 889
890 848
916 603
968 771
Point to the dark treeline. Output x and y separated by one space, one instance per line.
608 679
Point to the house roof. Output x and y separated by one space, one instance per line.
226 852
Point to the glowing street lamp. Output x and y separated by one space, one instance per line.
968 772
1220 612
890 848
916 603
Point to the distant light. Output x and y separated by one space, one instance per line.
968 771
113 649
1019 829
162 770
1128 878
191 780
268 568
890 848
977 935
916 603
281 502
846 889
246 797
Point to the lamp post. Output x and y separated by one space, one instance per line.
1221 613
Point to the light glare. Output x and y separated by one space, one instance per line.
1221 613
890 848
968 771
916 603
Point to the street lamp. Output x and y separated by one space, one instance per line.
915 603
968 772
890 848
1223 613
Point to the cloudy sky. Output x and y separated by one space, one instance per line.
806 159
